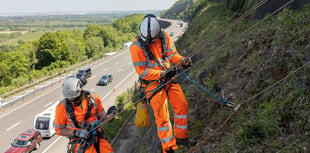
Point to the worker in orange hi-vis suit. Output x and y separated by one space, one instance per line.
78 116
151 53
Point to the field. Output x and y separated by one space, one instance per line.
14 29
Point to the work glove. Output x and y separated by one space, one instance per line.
169 73
84 134
187 62
111 113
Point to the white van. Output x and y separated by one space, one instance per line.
44 122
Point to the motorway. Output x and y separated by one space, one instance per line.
19 117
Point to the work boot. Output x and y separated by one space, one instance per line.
186 142
169 151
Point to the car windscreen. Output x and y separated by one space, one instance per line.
104 77
19 143
42 123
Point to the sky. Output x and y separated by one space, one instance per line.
47 6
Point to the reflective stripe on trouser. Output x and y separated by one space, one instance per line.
180 108
105 147
161 113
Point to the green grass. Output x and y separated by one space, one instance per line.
29 36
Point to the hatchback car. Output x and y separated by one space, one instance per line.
26 142
84 73
105 80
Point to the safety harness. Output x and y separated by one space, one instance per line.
90 103
149 54
161 62
95 133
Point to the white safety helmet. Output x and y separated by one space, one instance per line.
72 87
149 28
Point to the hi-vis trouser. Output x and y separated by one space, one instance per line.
160 107
104 147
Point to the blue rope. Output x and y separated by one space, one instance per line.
201 87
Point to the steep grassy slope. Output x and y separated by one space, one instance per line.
267 69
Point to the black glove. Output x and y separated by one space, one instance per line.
187 62
111 110
111 113
84 134
171 73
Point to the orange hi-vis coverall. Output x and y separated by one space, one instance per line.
63 121
149 70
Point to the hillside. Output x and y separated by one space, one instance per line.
261 64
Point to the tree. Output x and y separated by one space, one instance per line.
92 30
94 46
51 48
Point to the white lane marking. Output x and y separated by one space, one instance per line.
105 69
48 104
28 102
116 62
8 129
118 85
119 70
92 90
44 151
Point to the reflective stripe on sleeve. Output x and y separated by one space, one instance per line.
142 63
171 48
146 71
170 56
59 126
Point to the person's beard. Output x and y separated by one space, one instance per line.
77 102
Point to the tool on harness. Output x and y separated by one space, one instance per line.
227 103
142 115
